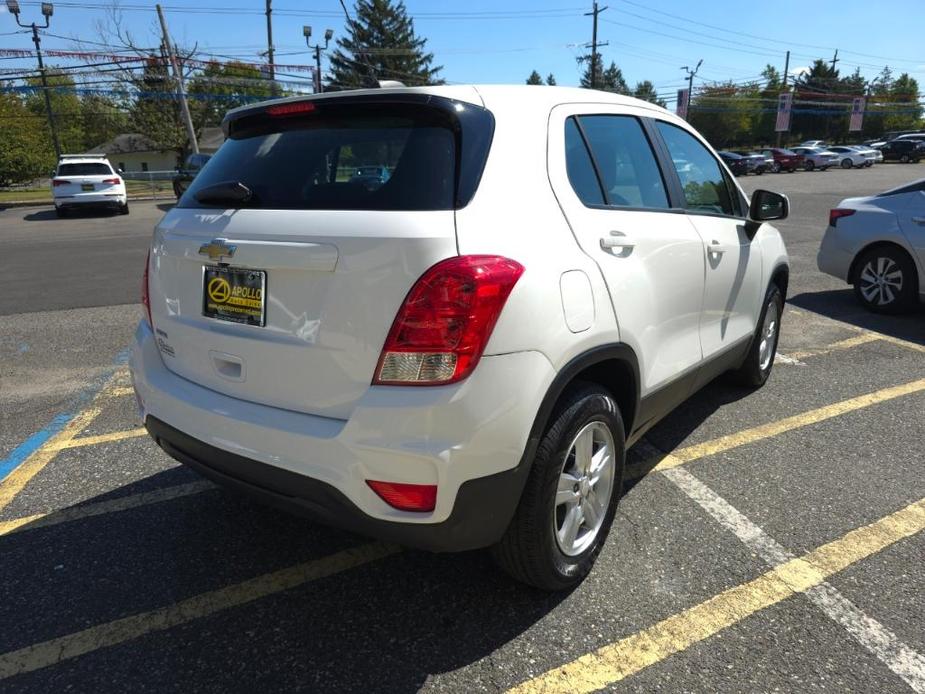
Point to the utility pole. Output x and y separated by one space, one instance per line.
181 93
784 88
307 33
834 60
690 86
594 44
270 46
48 10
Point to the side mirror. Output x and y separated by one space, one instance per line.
765 206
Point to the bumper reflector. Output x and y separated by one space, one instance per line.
406 497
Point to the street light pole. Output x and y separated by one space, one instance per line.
690 87
307 33
48 10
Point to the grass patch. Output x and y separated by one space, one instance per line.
133 188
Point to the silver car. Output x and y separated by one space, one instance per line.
850 157
877 244
817 158
876 156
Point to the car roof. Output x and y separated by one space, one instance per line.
89 159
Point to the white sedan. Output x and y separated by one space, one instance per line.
817 158
849 157
877 244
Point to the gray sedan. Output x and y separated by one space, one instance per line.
817 158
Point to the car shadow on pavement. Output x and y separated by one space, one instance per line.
48 214
842 305
389 624
166 206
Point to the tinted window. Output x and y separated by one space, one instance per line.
580 169
705 188
627 166
310 161
85 169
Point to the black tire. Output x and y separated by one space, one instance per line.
846 163
790 170
123 209
823 168
758 172
904 159
809 166
775 168
177 190
60 212
900 294
530 551
754 371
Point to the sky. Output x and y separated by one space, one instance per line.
502 41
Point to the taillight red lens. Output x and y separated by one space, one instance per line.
444 324
145 296
295 109
112 181
59 182
838 213
406 497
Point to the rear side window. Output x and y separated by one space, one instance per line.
705 187
579 167
625 164
347 156
84 169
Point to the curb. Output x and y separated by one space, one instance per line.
49 203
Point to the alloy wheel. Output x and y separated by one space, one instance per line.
586 483
881 281
768 336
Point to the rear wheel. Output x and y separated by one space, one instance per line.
775 168
904 159
60 212
571 496
760 359
809 166
885 280
846 163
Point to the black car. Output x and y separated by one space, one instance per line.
903 150
736 163
757 163
188 172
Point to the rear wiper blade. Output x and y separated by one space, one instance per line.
225 191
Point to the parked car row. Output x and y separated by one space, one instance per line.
815 154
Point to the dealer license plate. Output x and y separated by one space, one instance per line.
234 294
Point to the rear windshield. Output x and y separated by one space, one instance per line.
86 169
348 156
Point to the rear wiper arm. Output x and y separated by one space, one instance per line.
225 191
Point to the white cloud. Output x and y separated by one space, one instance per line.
797 71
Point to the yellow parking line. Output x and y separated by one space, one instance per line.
31 466
634 653
120 391
764 431
848 343
44 520
128 628
98 439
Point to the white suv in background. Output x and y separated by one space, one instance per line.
87 180
459 355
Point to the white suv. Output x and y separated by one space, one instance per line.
456 355
87 180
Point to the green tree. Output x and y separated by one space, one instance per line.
220 87
551 80
535 78
381 44
645 90
608 80
26 152
878 104
101 119
65 105
905 109
764 117
156 111
723 114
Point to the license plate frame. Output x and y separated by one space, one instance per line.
228 294
87 187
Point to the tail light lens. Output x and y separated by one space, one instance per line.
145 296
112 181
444 324
838 213
59 182
406 497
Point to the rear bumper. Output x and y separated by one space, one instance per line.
91 200
470 439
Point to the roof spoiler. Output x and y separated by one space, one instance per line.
82 156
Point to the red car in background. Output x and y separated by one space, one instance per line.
784 159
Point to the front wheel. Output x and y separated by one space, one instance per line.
904 159
757 366
809 166
775 168
886 280
571 495
846 163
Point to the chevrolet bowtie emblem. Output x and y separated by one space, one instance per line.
216 248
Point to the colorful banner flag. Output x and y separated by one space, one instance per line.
857 114
683 99
784 104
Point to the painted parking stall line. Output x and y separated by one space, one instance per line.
628 656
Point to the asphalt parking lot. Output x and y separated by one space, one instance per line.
767 541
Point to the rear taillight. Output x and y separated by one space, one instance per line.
112 181
145 295
444 324
406 497
59 182
838 213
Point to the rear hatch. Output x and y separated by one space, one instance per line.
83 178
284 295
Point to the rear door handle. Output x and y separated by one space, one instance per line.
617 239
919 220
